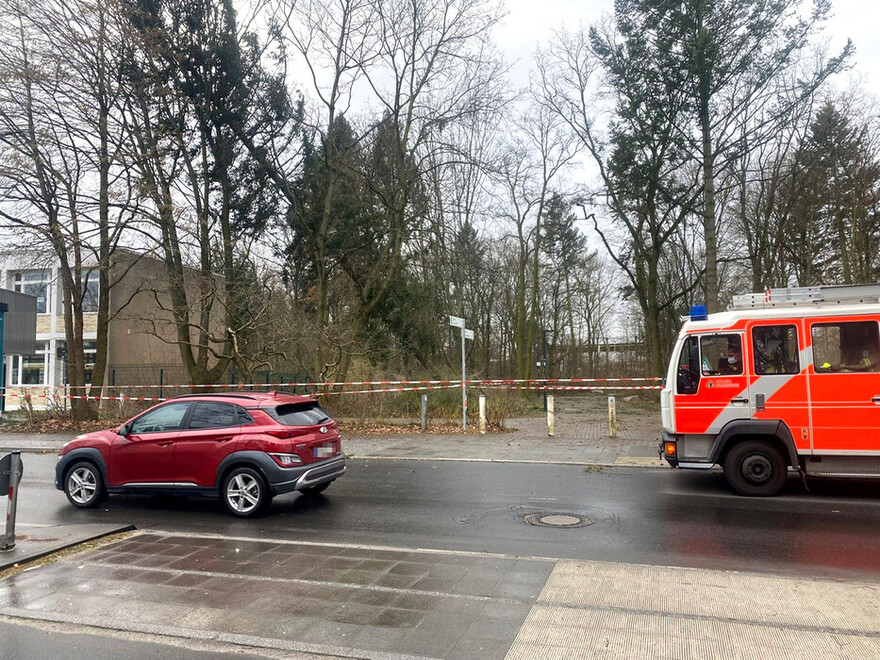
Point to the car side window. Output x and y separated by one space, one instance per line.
244 417
847 347
775 349
213 415
688 378
163 419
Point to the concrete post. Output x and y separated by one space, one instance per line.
551 415
483 423
612 418
424 413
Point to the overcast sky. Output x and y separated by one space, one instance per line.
530 22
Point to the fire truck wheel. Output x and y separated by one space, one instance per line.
755 468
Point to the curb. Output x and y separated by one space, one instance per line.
20 555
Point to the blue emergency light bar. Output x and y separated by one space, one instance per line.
699 313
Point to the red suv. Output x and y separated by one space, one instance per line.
245 447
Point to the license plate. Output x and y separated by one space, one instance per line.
324 451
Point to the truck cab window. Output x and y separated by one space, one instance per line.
688 379
721 355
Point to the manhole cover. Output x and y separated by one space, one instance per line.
557 520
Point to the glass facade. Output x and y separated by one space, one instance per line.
34 283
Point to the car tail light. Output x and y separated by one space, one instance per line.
286 433
669 448
287 460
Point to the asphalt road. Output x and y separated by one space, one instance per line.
650 516
21 642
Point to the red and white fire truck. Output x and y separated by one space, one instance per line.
788 378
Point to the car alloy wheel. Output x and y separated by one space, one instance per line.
244 493
84 486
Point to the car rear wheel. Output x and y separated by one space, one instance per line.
245 493
84 485
315 490
755 468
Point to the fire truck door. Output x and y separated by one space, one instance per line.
721 393
845 385
778 377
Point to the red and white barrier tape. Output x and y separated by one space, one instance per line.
569 388
393 389
354 383
361 383
490 386
508 381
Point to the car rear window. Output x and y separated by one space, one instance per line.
307 413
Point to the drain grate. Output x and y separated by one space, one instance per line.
566 520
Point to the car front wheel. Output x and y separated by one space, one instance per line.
245 493
84 485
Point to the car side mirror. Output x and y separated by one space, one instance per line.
123 430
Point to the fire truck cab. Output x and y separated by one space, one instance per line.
788 378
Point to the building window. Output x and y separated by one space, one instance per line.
90 293
34 283
31 369
90 349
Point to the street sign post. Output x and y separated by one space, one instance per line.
11 469
458 322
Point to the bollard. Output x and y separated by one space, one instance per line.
424 413
483 423
551 416
612 418
10 477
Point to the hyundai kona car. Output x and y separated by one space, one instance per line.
244 447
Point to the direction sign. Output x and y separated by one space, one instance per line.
456 321
468 334
6 473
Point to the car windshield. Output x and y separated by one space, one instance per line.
307 413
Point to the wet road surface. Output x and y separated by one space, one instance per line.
646 516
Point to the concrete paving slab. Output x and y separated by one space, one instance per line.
600 609
318 611
32 542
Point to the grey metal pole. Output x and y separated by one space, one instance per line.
463 386
424 413
12 505
544 364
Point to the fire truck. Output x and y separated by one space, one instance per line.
784 380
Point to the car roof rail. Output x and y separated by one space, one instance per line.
222 394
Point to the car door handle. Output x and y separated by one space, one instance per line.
223 438
876 399
739 400
165 444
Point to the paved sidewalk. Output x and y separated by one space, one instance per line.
579 439
352 601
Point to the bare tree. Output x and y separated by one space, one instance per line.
62 170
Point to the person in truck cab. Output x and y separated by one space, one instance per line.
731 363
